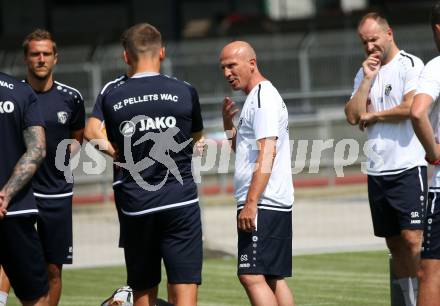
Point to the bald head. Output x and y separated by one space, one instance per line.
240 49
239 64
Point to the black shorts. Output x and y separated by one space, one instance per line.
397 201
54 225
267 250
174 235
431 233
21 256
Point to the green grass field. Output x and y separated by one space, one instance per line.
340 279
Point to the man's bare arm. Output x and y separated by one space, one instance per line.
260 178
75 147
357 105
29 162
422 126
395 114
228 113
94 130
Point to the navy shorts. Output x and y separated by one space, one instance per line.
21 256
174 235
397 201
54 225
267 250
431 233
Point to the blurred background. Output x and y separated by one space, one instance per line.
310 51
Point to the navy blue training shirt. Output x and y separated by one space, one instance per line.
19 109
63 111
159 140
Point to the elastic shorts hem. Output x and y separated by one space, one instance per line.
429 256
270 274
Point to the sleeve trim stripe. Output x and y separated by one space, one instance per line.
77 91
259 89
410 58
111 82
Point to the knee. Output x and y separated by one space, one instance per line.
413 243
54 272
250 280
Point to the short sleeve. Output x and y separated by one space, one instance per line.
429 81
197 121
412 75
357 81
267 114
98 108
78 115
32 115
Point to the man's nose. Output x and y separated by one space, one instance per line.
227 72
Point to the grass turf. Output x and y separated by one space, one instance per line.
339 279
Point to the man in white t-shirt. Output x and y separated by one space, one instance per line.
380 104
427 129
262 180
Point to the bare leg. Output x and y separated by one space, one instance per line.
5 286
145 297
429 283
282 291
55 283
183 294
171 294
405 250
258 290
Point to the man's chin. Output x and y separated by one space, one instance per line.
41 76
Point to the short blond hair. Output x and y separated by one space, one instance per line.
141 38
38 34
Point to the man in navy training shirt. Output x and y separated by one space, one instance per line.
151 121
22 133
62 108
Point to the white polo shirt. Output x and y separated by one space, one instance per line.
264 114
429 83
392 147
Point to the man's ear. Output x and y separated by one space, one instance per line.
437 28
126 57
162 54
253 64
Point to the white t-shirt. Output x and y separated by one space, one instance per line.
264 114
429 83
392 147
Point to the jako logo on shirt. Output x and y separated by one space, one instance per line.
6 107
157 123
128 128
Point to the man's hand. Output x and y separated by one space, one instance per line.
246 218
199 147
229 110
4 202
366 120
371 65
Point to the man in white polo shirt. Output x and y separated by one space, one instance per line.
380 104
263 179
428 131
